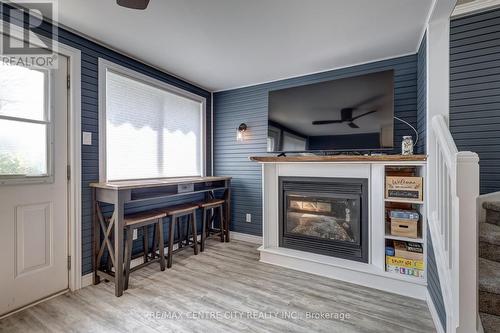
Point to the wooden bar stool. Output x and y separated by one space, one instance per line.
175 213
144 220
210 208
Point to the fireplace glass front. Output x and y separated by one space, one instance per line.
325 216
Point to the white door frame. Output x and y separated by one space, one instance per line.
74 152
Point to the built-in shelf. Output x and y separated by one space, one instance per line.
405 201
418 170
405 239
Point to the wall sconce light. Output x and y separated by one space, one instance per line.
240 134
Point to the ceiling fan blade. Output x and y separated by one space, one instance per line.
133 4
324 122
364 114
353 125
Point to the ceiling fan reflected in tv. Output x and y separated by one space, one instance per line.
133 4
346 114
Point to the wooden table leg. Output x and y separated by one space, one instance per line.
171 229
118 243
96 237
194 231
203 228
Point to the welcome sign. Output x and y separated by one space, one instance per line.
404 188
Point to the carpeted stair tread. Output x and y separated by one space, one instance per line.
491 323
492 212
492 205
489 276
489 233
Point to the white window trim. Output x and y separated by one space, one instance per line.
104 67
49 135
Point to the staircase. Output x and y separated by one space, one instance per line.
489 268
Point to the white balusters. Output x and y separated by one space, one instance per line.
453 225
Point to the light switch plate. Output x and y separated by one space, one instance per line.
87 138
134 235
249 218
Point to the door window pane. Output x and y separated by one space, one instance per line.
150 132
23 148
22 92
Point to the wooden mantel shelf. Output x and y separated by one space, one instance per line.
339 158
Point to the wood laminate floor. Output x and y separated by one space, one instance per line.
225 289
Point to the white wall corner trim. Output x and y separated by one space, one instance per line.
74 146
75 143
434 314
246 238
474 7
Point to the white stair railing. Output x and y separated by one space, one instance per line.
453 191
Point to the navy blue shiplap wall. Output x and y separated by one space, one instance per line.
433 284
90 53
249 105
422 95
475 91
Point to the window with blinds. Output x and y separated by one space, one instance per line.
150 130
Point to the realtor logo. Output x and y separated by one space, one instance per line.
27 37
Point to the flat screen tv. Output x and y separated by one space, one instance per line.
348 114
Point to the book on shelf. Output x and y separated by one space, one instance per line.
408 250
405 271
404 263
404 215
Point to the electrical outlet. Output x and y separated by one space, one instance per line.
134 236
87 138
249 218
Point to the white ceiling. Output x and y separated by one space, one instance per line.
223 44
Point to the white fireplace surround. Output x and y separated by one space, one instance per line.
371 274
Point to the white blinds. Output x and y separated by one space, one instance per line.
150 132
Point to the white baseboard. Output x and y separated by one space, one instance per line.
87 280
434 314
246 237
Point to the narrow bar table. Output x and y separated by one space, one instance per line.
121 192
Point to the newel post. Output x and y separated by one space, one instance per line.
466 270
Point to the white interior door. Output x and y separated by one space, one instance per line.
33 184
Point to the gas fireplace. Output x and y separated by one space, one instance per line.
327 216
